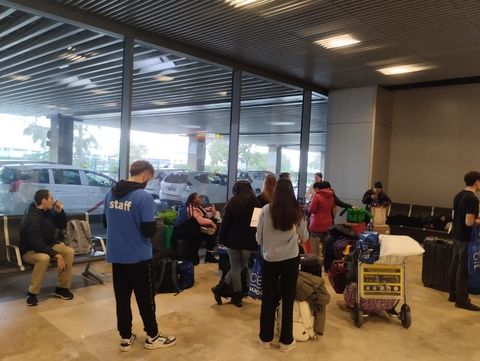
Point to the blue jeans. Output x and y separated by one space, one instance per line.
238 261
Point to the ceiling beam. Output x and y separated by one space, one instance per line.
50 9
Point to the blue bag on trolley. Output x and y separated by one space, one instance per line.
369 246
474 262
255 289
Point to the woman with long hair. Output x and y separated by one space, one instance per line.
266 195
281 226
195 210
239 238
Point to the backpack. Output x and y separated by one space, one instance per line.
186 274
78 236
303 321
165 275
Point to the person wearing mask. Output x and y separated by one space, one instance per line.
195 210
266 195
129 215
310 190
376 197
465 216
322 211
279 228
239 238
38 245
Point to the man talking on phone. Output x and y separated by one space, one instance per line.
38 245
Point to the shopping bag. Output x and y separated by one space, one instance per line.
474 262
255 289
379 215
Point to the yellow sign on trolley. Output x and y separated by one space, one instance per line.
381 281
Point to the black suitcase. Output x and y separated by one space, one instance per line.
436 263
311 264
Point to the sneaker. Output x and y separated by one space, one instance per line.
264 344
126 343
159 341
32 299
63 293
468 306
286 348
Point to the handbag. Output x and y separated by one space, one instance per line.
474 262
255 288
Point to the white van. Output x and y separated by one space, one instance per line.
80 190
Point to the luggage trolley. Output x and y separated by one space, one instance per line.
382 282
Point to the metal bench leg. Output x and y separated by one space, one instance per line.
90 275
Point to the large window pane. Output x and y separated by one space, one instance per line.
270 123
180 122
59 112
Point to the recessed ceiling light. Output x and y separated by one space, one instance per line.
99 91
403 69
161 77
222 94
281 123
239 3
337 41
111 104
19 77
159 102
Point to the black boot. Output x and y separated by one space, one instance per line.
219 291
237 299
210 258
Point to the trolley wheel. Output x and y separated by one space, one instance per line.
405 316
357 316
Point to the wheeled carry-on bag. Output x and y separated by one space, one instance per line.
436 263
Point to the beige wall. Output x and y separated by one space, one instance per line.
435 140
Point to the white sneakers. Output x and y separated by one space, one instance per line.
159 341
283 347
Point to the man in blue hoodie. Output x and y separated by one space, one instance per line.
129 214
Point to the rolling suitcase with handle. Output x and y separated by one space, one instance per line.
436 263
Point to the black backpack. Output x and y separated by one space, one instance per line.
166 275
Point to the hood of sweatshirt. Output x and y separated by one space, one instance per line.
123 187
325 193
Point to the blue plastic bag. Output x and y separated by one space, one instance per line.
369 246
255 289
474 262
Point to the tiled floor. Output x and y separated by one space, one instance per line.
85 327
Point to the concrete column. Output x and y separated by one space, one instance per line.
196 151
358 140
278 160
272 158
61 139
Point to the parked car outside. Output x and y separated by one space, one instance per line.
79 189
176 187
154 185
255 177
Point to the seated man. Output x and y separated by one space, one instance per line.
376 197
38 245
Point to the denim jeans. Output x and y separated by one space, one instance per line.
238 261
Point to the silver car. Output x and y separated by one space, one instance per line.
177 186
79 189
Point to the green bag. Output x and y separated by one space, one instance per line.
167 236
358 215
168 216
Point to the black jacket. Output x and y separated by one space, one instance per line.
37 230
235 231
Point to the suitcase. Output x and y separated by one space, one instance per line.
436 263
311 264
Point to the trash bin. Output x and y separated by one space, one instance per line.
167 235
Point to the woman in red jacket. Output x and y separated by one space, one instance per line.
322 211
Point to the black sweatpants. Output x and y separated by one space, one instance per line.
136 277
285 272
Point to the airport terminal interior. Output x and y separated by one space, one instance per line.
215 91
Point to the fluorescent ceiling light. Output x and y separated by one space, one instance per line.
403 69
99 91
111 104
281 123
72 57
239 3
159 102
337 41
161 77
19 77
193 126
222 94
